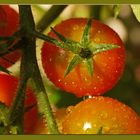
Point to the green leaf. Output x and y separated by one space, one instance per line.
116 10
136 10
70 44
100 131
4 69
67 45
97 48
3 113
90 66
75 60
3 117
86 33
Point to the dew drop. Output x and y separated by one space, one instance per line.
116 71
104 115
94 125
73 83
95 88
65 83
69 109
87 97
98 77
75 27
99 31
80 89
59 80
61 52
113 119
115 125
97 40
85 79
119 58
87 126
50 59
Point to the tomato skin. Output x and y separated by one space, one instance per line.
9 23
108 65
8 87
88 116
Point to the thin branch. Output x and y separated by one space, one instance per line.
49 17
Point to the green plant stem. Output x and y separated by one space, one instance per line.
17 109
43 102
27 26
95 11
49 17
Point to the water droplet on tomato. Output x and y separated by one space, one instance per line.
98 77
113 118
50 59
76 27
69 109
85 79
97 40
87 97
59 80
99 31
65 83
87 125
116 71
103 115
94 88
73 83
61 52
115 125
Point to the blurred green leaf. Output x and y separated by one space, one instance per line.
116 10
3 117
136 11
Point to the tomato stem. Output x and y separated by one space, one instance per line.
29 69
49 17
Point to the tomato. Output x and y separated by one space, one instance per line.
101 113
59 116
9 23
8 87
108 65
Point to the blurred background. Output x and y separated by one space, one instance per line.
127 90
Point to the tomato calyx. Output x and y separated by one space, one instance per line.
83 50
100 131
85 53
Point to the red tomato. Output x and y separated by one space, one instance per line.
90 115
108 65
8 87
9 23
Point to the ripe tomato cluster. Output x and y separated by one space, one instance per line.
98 114
89 62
